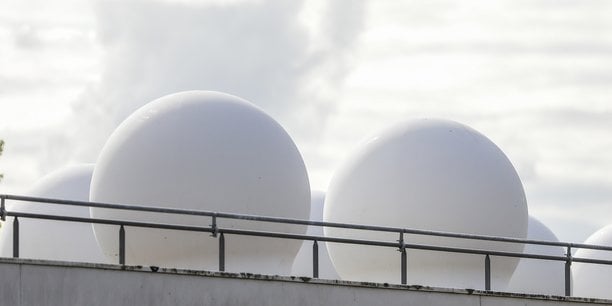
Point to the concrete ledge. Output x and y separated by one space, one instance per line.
38 282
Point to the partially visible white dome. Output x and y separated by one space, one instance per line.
55 240
302 266
593 280
535 275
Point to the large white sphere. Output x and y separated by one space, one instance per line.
55 240
434 175
302 265
539 276
593 280
207 151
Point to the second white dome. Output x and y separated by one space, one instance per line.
434 175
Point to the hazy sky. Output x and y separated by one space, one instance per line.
534 76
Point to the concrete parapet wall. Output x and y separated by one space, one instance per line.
33 282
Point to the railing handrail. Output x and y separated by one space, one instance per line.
195 212
217 231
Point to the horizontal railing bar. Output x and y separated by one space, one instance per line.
484 252
395 244
591 260
109 205
302 222
111 222
197 213
200 229
305 237
309 237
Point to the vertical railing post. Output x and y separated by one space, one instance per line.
404 267
2 209
403 264
16 237
121 245
315 259
568 272
214 226
221 252
487 272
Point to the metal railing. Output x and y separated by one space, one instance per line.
219 232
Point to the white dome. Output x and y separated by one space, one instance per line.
435 175
302 266
539 276
593 280
55 240
207 151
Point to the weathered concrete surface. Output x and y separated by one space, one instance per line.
10 279
31 282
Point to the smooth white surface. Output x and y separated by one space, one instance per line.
55 240
208 151
539 276
302 266
592 280
427 174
